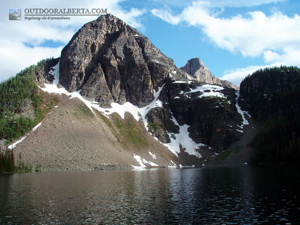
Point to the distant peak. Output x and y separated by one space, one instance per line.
197 69
197 62
194 65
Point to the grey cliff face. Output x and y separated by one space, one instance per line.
197 69
109 61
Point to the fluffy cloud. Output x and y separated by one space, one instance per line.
16 57
22 42
275 37
250 35
236 76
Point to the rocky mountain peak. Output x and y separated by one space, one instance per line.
194 66
110 61
197 69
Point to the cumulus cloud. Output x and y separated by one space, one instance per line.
237 75
275 37
22 42
166 16
250 35
17 56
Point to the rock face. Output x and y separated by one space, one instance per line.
197 69
208 110
109 61
42 74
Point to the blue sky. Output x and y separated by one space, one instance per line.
232 37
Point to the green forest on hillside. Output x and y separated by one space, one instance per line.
20 103
278 142
22 106
278 111
14 93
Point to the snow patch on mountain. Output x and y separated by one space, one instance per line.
207 90
153 155
136 112
12 146
142 162
37 126
182 139
242 113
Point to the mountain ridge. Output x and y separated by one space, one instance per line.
135 100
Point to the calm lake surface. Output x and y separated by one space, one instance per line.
216 195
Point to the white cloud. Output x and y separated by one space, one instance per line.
16 36
237 75
166 16
275 37
289 57
250 36
16 57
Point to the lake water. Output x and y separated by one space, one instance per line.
216 195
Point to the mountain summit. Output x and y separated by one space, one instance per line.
197 69
110 61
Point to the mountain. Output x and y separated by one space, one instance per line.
140 103
197 69
110 61
115 101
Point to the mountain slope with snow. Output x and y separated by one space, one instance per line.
122 98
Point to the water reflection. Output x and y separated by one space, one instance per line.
238 195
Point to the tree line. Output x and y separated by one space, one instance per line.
8 164
7 161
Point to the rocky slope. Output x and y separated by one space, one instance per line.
72 137
197 69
